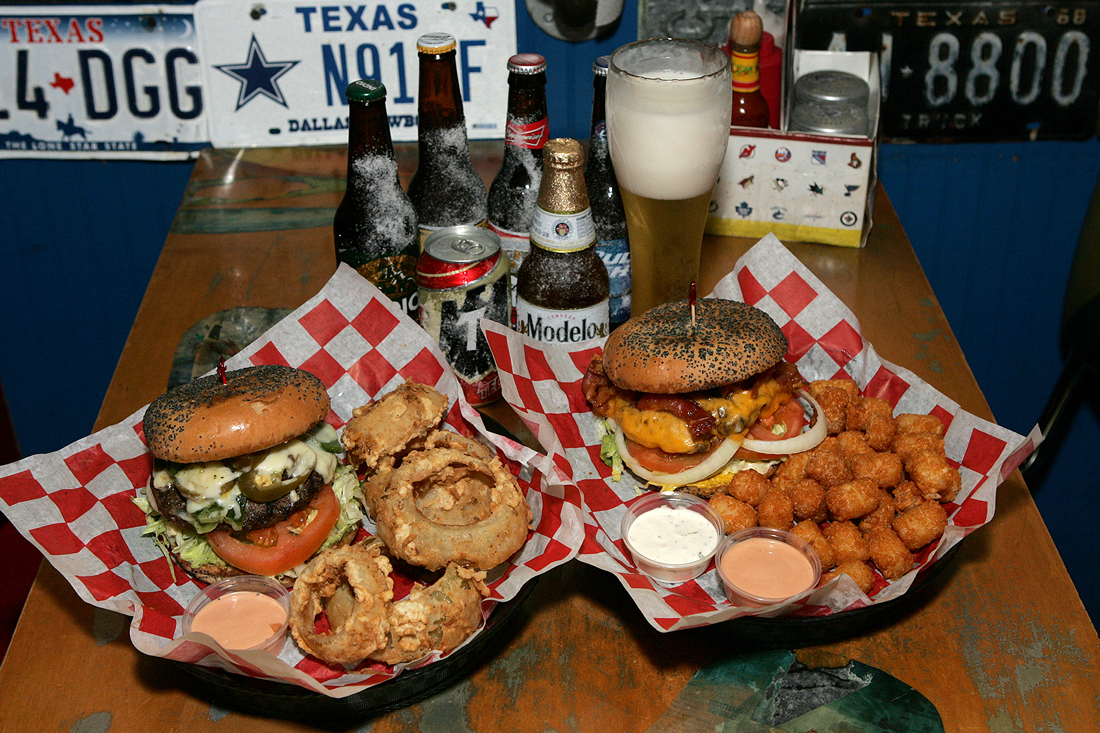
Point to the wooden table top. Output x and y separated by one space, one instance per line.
1001 642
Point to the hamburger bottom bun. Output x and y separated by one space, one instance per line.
258 407
664 351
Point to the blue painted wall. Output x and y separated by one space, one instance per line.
994 225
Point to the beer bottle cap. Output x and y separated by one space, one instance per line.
366 90
563 152
600 65
435 43
526 63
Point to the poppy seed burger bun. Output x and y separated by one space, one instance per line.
257 408
662 351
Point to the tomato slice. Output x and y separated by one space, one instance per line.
789 415
657 460
295 540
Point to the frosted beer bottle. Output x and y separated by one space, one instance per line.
612 243
445 189
750 108
375 227
515 189
562 289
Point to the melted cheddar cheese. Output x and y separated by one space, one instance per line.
663 430
738 411
653 428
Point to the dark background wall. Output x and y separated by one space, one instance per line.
994 225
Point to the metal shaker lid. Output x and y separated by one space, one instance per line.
831 86
829 118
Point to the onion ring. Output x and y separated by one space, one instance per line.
712 465
375 483
438 617
352 586
387 427
799 443
484 530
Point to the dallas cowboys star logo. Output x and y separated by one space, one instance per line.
257 76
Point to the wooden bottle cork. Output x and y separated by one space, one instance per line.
746 29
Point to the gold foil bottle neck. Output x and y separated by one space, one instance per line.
562 190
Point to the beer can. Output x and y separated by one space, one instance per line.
462 277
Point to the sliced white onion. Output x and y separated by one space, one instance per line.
802 442
712 465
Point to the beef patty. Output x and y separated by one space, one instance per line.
257 515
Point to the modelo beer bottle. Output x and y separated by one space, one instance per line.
446 190
515 189
612 243
562 289
375 227
750 108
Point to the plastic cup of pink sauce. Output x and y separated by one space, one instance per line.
241 613
764 567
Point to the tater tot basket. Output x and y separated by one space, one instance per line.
543 383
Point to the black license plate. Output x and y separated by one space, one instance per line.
970 71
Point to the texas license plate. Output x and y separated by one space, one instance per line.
100 81
971 71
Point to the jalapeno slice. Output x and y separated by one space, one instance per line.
268 488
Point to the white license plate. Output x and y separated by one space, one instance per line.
275 72
101 82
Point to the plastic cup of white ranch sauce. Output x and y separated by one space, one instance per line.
672 537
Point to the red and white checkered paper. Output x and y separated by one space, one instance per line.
543 384
75 505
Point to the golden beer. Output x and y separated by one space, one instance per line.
661 269
668 120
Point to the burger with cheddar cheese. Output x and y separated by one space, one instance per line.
246 476
687 394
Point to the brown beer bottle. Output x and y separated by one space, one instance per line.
445 189
612 242
750 108
375 228
563 293
515 189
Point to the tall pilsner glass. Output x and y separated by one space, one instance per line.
668 122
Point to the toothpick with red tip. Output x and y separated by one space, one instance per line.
221 370
691 302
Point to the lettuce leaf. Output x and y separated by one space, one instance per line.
609 449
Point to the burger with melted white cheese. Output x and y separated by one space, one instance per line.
246 474
688 395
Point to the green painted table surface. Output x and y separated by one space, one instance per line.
999 643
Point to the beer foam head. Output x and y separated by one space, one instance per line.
668 117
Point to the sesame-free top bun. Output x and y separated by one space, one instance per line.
257 408
662 351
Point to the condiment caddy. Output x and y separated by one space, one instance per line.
813 179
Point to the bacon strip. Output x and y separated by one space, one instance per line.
700 422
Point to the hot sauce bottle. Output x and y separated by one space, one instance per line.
750 108
563 294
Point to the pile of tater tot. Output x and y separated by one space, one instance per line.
869 496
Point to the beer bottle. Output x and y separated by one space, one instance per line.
612 244
445 189
375 228
563 292
750 108
515 189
